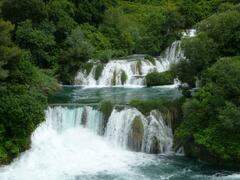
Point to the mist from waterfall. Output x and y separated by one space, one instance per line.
155 131
67 147
70 134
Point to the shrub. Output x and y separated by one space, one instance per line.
157 79
139 67
123 77
20 114
98 71
151 59
88 67
106 107
114 78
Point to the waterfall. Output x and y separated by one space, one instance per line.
129 128
134 68
63 118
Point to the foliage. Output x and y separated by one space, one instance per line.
17 11
87 67
77 51
40 43
23 89
123 77
200 52
158 79
170 108
151 59
224 28
211 118
98 71
106 107
139 67
19 116
113 81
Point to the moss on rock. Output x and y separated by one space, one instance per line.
139 67
158 79
106 107
113 81
98 71
87 67
136 133
123 77
151 59
155 146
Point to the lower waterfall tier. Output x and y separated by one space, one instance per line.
127 128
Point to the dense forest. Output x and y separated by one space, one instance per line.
43 43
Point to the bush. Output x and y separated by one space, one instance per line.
113 81
88 67
211 118
139 67
147 106
151 59
123 77
106 107
98 71
20 114
158 79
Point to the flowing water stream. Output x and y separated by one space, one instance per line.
77 142
71 144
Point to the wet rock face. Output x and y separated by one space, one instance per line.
155 147
84 117
135 135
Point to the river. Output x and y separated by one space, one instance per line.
64 149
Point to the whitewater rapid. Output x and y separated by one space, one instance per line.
67 147
64 154
133 68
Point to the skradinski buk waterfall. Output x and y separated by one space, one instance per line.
133 68
130 129
127 127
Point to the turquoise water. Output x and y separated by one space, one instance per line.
117 95
80 154
160 167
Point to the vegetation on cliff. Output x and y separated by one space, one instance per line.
210 127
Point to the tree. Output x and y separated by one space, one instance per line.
39 42
17 11
200 52
211 118
91 11
224 29
5 40
78 50
62 13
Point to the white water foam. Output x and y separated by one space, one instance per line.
120 123
69 153
135 68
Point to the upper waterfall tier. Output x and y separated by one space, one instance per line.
130 71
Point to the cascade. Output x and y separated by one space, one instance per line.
134 68
127 128
131 71
63 118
